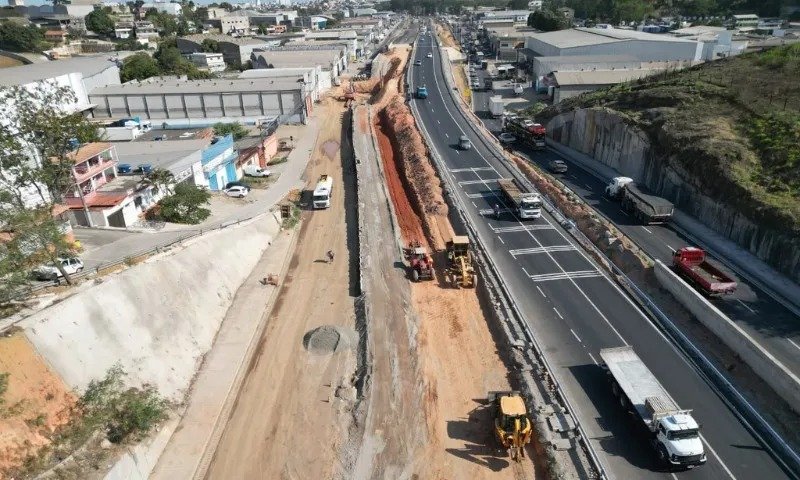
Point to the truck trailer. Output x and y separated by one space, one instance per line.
321 197
525 204
496 106
527 131
646 207
691 263
673 431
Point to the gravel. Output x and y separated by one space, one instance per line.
329 339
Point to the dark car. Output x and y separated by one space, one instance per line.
236 184
557 166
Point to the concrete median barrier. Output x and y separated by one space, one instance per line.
780 378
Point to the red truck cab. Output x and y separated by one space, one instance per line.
690 262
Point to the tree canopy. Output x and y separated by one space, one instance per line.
547 21
236 129
20 38
139 67
100 22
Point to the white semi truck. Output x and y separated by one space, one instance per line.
322 192
526 204
673 431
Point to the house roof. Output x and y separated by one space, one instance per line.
600 77
89 150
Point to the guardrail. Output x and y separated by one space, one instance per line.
515 310
748 415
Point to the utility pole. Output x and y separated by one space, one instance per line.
83 199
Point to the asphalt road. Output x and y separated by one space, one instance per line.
575 310
771 324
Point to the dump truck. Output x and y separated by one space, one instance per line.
496 106
691 263
525 204
422 92
527 131
460 269
321 197
646 207
512 427
673 431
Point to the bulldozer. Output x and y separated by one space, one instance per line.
460 270
420 263
512 427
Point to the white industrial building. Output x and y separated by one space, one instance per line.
570 84
645 47
210 62
315 80
544 65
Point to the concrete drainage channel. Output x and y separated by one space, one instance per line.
749 416
558 431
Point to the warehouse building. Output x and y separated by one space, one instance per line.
332 58
544 65
570 84
235 51
645 47
177 102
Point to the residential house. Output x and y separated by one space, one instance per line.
210 62
123 30
145 30
56 37
256 151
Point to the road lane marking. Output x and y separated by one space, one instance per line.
490 211
473 169
446 135
595 361
554 248
526 272
792 342
671 248
477 182
501 239
547 277
625 213
714 452
474 205
540 291
575 335
559 315
479 194
522 228
745 306
647 230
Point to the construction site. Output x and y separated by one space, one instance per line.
382 352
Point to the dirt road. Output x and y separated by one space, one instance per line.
286 421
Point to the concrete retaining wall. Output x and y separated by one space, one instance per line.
783 381
156 319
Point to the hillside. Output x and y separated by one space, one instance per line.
731 127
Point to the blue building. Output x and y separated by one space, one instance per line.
219 162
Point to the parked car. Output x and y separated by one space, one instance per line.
256 171
237 191
237 184
557 166
49 271
464 143
507 138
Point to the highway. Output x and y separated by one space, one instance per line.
574 310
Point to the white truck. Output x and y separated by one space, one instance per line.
496 106
646 207
526 204
256 171
673 431
321 198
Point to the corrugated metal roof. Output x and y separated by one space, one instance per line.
233 85
25 74
600 77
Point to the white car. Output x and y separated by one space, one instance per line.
51 272
507 138
430 55
237 191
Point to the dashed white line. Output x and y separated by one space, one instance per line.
446 135
625 213
437 121
526 272
745 306
501 239
647 230
474 204
575 335
670 248
792 342
559 315
540 290
595 362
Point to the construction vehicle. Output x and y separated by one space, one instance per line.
672 431
646 207
512 427
420 263
322 192
525 204
691 263
460 268
529 132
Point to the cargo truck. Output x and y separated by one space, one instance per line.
525 204
529 132
496 106
321 198
673 431
691 263
422 92
647 208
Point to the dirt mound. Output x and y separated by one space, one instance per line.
329 339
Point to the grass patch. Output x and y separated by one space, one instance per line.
293 219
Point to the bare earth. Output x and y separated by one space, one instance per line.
284 424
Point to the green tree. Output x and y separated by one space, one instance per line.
100 22
20 38
161 179
236 129
36 172
129 44
631 10
210 45
169 58
547 21
166 23
518 4
138 67
185 205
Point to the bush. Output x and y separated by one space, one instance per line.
236 129
185 205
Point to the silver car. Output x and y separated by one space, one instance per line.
464 143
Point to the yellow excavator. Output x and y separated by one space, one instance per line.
511 424
460 270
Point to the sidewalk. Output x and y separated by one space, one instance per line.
191 447
737 258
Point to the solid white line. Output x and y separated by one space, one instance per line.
576 335
526 272
595 362
501 240
674 476
792 342
745 306
647 230
725 467
540 291
559 315
625 213
474 205
670 248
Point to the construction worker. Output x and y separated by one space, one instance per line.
330 256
